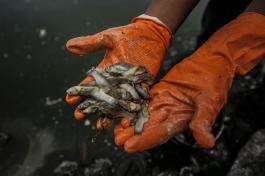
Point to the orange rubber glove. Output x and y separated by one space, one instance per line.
143 42
191 95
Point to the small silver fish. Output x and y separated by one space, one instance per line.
122 66
142 91
91 109
115 111
143 117
135 79
99 94
95 92
131 90
136 70
80 90
118 68
86 103
123 94
113 81
129 106
117 80
100 80
146 78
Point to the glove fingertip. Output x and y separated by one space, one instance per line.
72 99
202 135
122 137
130 146
78 115
129 150
72 46
118 129
78 41
207 142
68 44
125 122
118 140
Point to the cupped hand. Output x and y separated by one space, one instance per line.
143 42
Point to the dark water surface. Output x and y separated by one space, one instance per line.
36 69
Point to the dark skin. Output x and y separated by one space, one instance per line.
257 6
174 12
171 12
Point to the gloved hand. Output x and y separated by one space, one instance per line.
143 42
191 95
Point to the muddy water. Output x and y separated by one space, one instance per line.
35 70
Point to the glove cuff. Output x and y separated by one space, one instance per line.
163 31
144 16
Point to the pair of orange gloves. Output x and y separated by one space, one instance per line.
193 92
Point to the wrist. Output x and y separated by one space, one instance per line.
153 18
171 12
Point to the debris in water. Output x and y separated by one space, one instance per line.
42 33
87 122
50 102
5 55
28 56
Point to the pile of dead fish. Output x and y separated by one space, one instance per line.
117 91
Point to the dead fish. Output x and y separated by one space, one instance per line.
115 111
90 109
146 78
136 70
123 94
119 93
80 90
142 91
113 81
117 80
129 106
131 90
103 123
122 66
118 68
99 94
87 102
100 80
95 92
143 117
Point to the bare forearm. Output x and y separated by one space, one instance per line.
171 12
257 6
